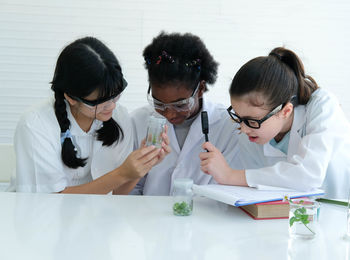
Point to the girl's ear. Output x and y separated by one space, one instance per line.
201 88
70 100
287 110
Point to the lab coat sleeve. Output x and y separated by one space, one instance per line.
307 168
138 189
139 123
38 161
125 122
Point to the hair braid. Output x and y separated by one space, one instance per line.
68 153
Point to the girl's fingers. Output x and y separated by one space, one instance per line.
165 138
143 143
204 169
161 154
151 163
204 155
166 148
144 150
209 146
150 156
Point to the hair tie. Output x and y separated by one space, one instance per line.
65 135
194 63
294 100
159 60
164 56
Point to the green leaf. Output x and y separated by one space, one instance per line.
292 220
297 214
303 210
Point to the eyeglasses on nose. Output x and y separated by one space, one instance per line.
93 103
252 123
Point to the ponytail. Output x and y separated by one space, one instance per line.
306 84
69 152
110 132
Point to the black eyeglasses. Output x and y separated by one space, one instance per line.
253 123
93 103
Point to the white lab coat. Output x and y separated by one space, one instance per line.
185 163
39 167
318 151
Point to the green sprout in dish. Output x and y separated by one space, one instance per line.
182 209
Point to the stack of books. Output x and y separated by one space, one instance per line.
257 203
267 210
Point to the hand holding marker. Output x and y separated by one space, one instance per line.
205 125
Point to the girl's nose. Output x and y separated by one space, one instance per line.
109 105
244 128
169 113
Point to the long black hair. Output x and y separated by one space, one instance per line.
82 67
279 77
179 58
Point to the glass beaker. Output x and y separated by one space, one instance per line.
303 218
154 131
183 197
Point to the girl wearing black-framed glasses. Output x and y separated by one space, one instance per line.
294 134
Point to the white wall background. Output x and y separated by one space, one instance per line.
32 34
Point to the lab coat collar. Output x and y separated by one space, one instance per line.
195 133
296 133
297 130
214 115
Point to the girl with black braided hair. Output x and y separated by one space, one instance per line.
81 142
294 134
180 68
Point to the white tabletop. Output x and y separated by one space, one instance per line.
56 226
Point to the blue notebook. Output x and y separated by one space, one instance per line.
241 196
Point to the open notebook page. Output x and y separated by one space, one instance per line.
240 196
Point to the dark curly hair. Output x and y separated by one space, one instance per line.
175 57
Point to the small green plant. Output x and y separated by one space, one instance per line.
182 209
299 215
154 139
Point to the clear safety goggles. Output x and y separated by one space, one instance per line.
101 104
179 106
